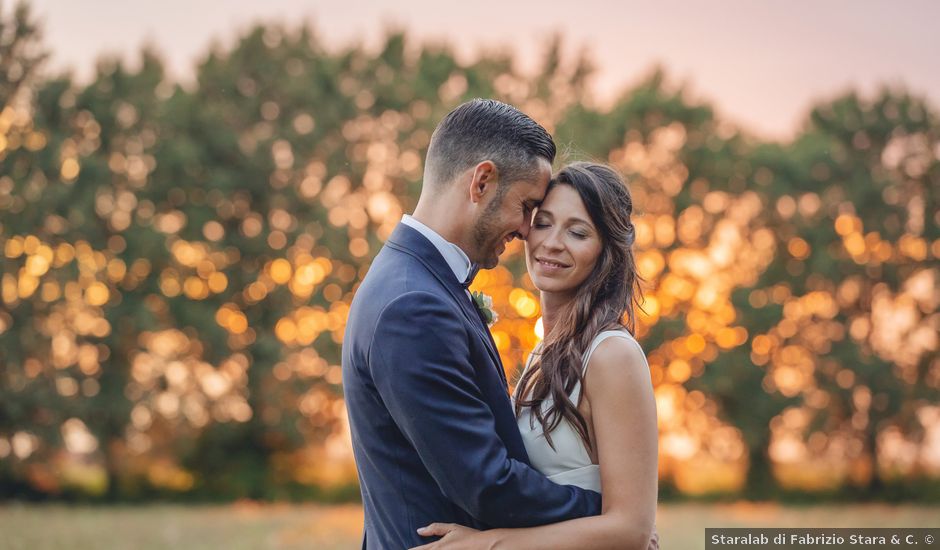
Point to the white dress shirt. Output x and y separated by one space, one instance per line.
456 258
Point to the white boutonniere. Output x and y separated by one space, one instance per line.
484 303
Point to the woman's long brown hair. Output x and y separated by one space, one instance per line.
605 300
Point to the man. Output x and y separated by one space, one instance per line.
433 430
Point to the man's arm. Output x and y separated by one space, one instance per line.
421 366
620 391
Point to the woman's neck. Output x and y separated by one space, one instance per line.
553 303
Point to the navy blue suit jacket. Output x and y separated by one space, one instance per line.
433 431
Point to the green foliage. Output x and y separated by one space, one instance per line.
178 261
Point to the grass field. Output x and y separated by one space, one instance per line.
283 526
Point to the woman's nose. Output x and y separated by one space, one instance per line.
553 241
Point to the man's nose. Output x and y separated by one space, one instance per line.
525 227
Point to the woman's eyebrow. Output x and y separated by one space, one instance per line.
575 219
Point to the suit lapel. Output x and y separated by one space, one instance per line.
409 241
484 331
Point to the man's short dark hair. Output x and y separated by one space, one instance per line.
486 129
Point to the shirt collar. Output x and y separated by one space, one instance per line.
456 258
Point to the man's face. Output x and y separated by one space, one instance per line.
508 216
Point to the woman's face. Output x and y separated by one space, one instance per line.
563 245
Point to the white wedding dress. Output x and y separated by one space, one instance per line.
569 462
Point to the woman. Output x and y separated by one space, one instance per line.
585 400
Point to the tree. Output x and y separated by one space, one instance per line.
178 264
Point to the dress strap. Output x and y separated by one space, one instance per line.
617 333
576 392
600 338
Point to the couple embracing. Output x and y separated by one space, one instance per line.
446 458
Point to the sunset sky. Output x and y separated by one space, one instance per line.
761 63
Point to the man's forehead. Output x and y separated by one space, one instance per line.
532 188
545 168
544 175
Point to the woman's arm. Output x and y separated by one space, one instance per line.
623 412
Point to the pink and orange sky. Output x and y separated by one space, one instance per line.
762 64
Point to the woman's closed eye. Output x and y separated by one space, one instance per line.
579 234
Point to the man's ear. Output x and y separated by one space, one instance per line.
484 180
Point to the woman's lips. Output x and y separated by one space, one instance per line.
551 265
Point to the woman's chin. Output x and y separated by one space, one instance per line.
551 286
